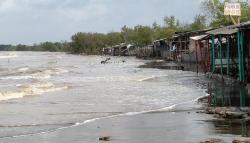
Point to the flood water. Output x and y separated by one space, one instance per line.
228 95
48 91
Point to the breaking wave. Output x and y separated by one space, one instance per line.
23 69
34 89
8 55
151 78
146 78
38 74
119 78
165 109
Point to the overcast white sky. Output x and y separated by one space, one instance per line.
35 21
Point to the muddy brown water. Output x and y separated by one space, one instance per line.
44 92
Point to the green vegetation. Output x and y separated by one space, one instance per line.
92 43
214 10
46 46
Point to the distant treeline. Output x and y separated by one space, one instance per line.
46 46
92 43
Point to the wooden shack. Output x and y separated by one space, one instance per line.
199 52
123 50
120 50
115 50
181 45
106 51
229 48
131 50
161 49
145 52
190 49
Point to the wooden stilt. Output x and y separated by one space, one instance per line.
213 54
228 53
239 56
221 62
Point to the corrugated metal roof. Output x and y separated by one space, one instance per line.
200 37
224 30
160 40
229 29
245 24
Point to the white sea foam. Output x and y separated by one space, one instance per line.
119 78
89 121
48 73
169 108
40 88
11 95
34 89
18 85
151 78
165 109
24 77
8 56
41 74
23 69
146 78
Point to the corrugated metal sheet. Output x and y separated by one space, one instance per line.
224 30
160 40
229 29
200 37
245 24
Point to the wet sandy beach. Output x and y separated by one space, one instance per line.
158 127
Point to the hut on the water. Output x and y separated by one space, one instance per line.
161 49
229 51
120 50
145 52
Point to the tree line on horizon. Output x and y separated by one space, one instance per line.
140 35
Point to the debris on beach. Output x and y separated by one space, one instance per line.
241 140
227 112
105 138
213 141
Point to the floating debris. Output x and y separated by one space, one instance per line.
105 138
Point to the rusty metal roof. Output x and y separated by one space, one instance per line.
245 24
199 37
164 39
228 30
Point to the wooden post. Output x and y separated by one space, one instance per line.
213 54
221 62
197 62
242 56
242 98
228 53
239 55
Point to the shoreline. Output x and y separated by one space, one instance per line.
222 116
166 124
168 109
185 120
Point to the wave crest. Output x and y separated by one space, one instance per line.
24 73
34 89
8 55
